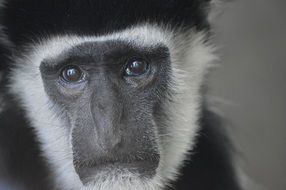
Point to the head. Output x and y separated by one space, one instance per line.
112 89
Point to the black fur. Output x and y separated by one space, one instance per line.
21 164
27 19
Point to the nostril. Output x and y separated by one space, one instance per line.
116 143
110 143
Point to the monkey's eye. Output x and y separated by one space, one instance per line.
136 67
72 74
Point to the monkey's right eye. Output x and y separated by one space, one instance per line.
72 74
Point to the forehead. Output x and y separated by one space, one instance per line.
107 52
145 37
25 19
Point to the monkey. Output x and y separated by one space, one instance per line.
110 95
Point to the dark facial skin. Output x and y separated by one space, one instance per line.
109 95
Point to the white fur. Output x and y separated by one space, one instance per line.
190 59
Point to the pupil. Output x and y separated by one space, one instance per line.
72 74
137 67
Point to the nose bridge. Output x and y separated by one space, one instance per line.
104 98
105 109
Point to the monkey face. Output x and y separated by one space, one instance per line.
114 111
109 94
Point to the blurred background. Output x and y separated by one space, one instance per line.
249 87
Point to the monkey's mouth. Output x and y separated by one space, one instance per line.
90 172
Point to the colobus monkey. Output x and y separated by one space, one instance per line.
108 95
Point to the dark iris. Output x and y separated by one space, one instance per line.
136 67
72 73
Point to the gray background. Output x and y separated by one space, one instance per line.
249 87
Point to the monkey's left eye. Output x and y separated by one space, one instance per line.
136 67
72 74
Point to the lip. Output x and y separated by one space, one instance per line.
140 168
